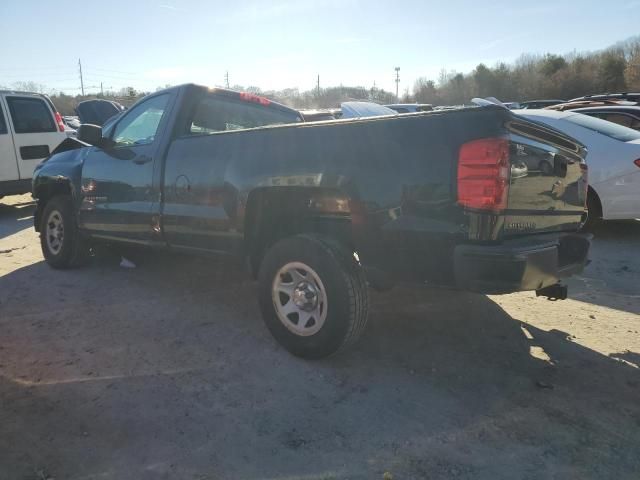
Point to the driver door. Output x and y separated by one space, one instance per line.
118 195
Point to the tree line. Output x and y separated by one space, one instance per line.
530 77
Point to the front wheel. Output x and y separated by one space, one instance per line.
61 243
313 295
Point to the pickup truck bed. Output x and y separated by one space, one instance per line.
472 198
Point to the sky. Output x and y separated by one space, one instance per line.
287 43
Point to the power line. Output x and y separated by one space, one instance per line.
39 69
102 75
112 71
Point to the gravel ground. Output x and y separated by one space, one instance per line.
167 371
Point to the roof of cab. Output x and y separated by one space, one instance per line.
21 92
244 96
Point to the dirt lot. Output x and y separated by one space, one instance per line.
166 371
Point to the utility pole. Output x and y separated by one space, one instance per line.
318 85
397 81
101 90
81 79
226 79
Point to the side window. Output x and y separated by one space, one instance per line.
3 124
30 115
214 113
635 123
618 118
140 124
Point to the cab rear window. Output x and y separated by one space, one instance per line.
30 115
609 129
214 113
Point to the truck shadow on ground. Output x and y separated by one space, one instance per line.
613 277
16 217
166 371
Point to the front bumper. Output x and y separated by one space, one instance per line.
531 263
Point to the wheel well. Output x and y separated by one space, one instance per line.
591 193
44 193
274 213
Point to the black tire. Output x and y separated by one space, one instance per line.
545 167
593 214
72 249
345 291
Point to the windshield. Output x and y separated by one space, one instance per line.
610 129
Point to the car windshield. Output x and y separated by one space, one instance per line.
610 129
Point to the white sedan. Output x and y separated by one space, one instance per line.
613 159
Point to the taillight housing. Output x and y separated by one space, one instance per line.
637 162
483 174
59 122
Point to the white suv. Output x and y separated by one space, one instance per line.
30 128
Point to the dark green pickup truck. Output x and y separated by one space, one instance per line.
320 210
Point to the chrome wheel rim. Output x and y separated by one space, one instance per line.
55 232
299 299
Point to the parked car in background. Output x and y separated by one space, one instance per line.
71 121
30 129
97 112
540 103
410 107
318 115
622 115
511 105
364 109
626 96
321 210
563 107
613 162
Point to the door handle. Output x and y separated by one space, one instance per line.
141 159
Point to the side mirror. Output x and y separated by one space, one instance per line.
91 134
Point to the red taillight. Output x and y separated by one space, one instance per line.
637 162
250 97
483 174
59 122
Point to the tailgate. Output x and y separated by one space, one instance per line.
548 183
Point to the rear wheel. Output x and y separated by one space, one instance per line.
313 295
61 243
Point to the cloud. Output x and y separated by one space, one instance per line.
267 10
348 40
536 10
499 41
171 7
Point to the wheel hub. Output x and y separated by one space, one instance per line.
305 296
299 298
